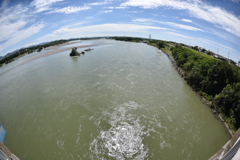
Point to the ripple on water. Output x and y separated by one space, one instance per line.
124 138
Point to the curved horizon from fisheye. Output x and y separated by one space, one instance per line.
213 25
119 79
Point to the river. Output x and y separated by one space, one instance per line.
119 101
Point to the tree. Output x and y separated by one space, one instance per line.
161 44
210 53
228 102
195 48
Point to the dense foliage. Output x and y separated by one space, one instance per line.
228 102
29 50
128 39
158 43
153 42
214 79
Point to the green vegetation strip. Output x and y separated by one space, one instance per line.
29 50
217 81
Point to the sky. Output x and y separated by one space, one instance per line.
211 24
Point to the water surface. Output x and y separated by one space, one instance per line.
119 101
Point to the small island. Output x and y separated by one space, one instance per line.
89 49
74 52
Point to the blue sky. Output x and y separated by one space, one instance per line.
212 24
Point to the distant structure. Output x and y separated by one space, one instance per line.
228 58
149 37
239 63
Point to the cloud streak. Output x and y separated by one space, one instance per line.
12 20
236 1
22 34
43 5
70 9
181 26
102 29
201 10
187 20
100 3
16 25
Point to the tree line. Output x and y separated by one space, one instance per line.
216 80
128 39
29 50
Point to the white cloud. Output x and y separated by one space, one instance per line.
179 35
21 35
100 3
97 3
181 26
203 42
16 25
187 20
70 9
133 11
102 29
143 20
43 5
215 15
213 43
151 4
236 1
12 19
107 11
116 7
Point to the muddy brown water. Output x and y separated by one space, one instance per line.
119 101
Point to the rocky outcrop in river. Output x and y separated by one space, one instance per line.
74 52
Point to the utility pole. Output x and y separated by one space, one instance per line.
228 58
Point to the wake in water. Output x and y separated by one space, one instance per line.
124 138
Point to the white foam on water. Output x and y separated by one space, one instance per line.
78 135
60 144
163 144
124 139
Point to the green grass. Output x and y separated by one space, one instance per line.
202 54
167 50
152 44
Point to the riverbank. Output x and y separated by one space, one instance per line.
56 49
216 113
50 51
